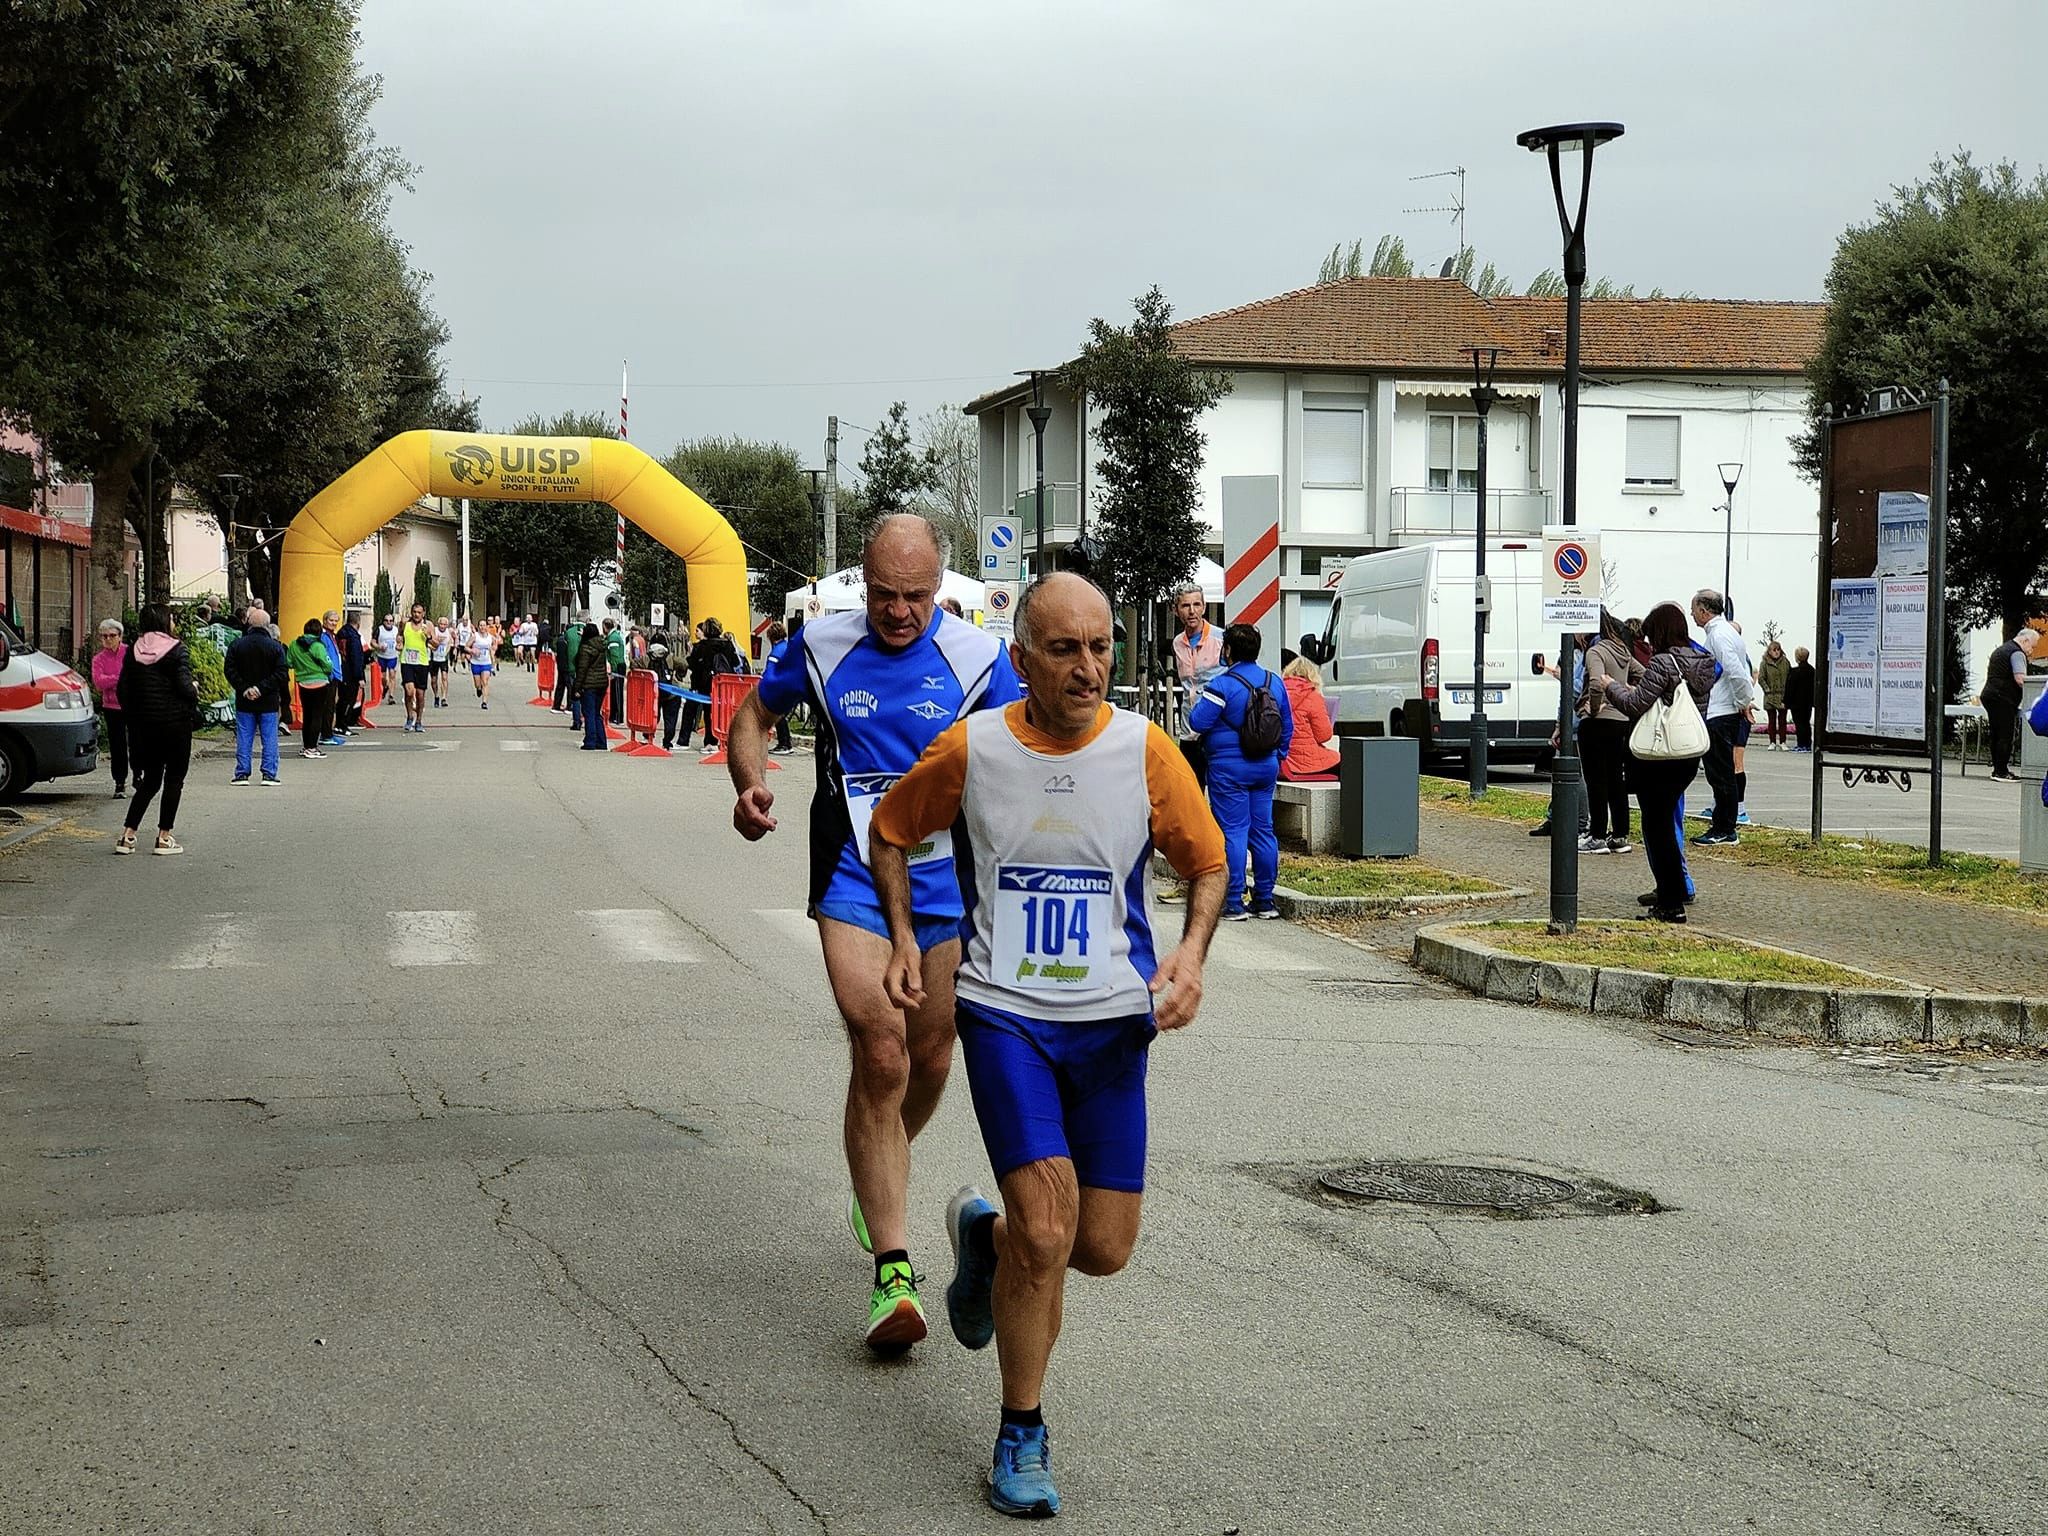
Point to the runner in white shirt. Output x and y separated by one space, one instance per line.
482 645
437 662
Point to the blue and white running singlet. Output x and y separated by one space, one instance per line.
876 710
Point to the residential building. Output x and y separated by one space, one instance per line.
1349 424
45 587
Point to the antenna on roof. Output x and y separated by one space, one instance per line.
1455 208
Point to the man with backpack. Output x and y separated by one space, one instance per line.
1245 723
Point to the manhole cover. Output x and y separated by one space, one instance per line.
1498 1189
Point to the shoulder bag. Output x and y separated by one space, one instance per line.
1670 730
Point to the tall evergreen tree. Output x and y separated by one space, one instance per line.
1151 399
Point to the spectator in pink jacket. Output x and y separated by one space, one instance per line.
106 683
1307 759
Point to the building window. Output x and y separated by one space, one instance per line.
1333 447
1453 453
1652 459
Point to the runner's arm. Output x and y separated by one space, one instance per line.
917 805
746 739
1186 832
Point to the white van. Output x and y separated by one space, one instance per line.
1397 653
47 726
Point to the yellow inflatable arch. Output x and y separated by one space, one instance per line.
414 464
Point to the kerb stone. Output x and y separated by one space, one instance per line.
1510 979
1707 1003
1876 1018
1991 1020
1566 986
1789 1009
1630 994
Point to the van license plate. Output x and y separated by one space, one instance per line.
1493 695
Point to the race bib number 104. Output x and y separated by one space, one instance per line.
1050 925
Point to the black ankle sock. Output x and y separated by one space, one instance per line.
891 1256
1024 1418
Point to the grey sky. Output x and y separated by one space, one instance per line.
797 208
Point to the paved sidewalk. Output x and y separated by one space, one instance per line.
1925 940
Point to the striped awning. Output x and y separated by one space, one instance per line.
1461 389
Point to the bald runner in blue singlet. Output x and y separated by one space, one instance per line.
881 683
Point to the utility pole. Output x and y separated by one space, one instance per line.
831 495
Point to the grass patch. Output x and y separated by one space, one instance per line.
1666 951
1494 805
1376 877
1971 877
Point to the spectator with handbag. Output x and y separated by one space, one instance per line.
1675 687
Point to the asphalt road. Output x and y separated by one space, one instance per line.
449 1142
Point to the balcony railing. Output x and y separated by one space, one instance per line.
1422 513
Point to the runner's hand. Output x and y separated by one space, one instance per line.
903 979
750 816
1182 971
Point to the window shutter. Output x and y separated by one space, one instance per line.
1332 447
1652 456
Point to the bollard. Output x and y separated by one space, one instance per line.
544 681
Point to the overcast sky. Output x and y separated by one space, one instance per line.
777 209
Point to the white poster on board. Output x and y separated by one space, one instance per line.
1903 521
1852 656
1902 657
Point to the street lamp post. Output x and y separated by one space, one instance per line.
1040 413
1730 473
1483 396
1566 777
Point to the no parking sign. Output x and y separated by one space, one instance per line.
999 611
1571 578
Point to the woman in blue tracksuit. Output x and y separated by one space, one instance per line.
1241 783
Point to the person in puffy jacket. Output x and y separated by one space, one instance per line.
107 662
593 670
1660 783
315 669
160 702
1308 759
256 670
1241 784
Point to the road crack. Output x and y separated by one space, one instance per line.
504 1223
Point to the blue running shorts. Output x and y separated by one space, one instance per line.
931 931
1074 1090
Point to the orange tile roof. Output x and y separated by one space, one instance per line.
1393 324
1421 325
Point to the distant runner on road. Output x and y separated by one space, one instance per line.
881 683
387 652
482 648
1060 801
415 648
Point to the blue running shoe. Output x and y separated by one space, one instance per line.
970 1227
1020 1482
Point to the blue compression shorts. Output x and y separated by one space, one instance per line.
1045 1090
931 931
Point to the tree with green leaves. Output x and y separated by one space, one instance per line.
556 543
1949 280
1390 258
762 490
131 205
892 472
1149 510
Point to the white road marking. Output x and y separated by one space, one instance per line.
791 923
640 936
432 938
224 946
518 746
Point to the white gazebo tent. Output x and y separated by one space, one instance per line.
846 589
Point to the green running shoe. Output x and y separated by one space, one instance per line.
895 1315
858 1224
